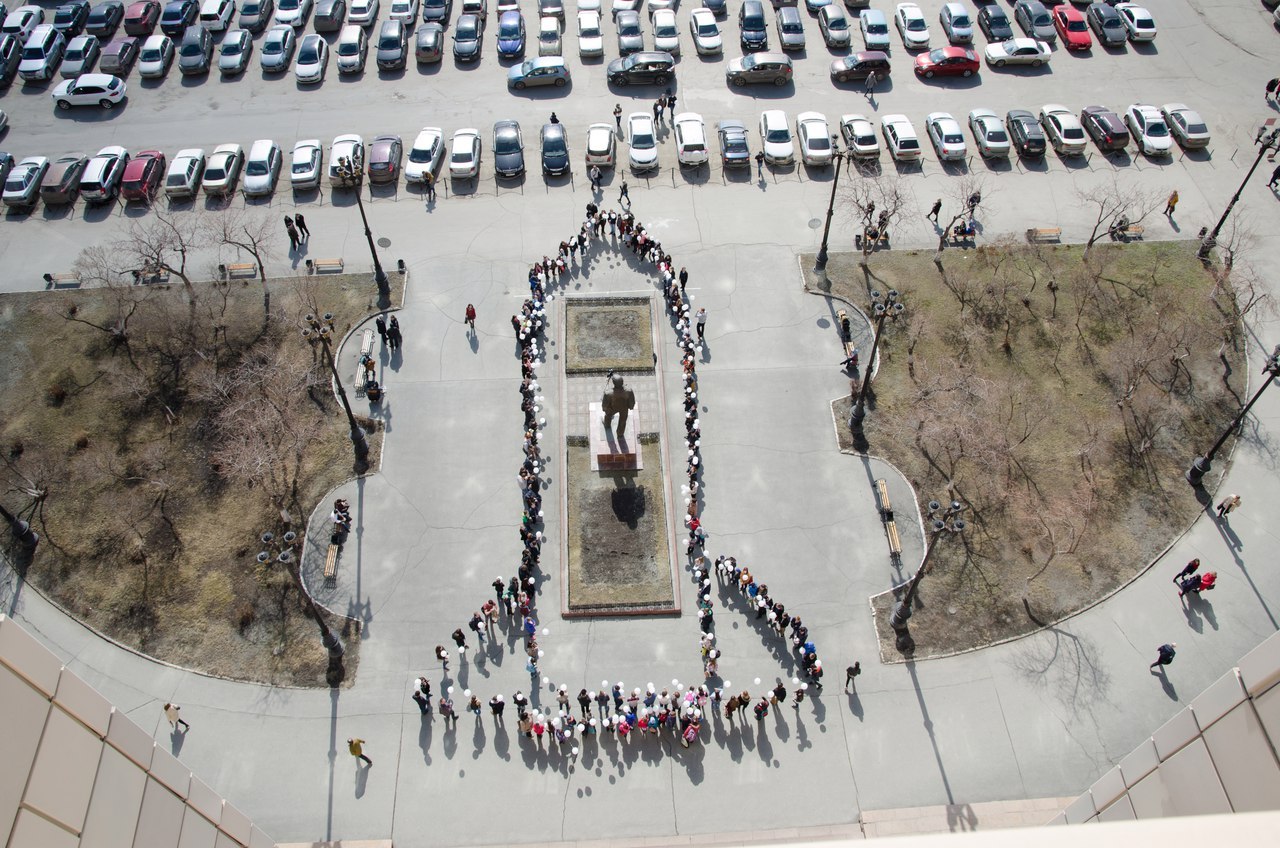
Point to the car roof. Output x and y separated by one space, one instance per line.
261 148
351 32
510 16
427 132
804 117
983 113
230 147
101 79
955 8
156 40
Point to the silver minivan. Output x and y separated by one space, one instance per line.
352 49
42 53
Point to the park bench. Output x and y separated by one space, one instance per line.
61 281
238 268
961 239
318 265
331 562
1044 234
362 373
886 516
881 238
1133 231
846 334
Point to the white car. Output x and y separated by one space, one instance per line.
22 21
22 185
216 15
101 179
900 137
624 6
346 156
183 177
590 41
912 26
666 34
404 10
262 168
1186 125
1138 21
945 133
362 12
464 154
1064 129
425 155
293 13
352 50
222 169
989 134
601 145
705 32
1018 51
305 164
875 30
815 139
549 42
155 56
859 136
691 139
313 59
775 135
643 141
956 23
95 90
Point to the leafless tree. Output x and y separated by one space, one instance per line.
876 201
245 229
967 192
1112 199
165 241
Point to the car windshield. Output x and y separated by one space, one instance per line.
63 16
192 48
1076 26
250 8
916 24
309 54
792 26
508 29
389 42
422 154
32 53
961 21
466 30
867 138
778 135
877 29
1198 128
937 55
289 5
75 54
302 167
553 145
707 28
994 135
256 168
819 142
1144 23
628 27
232 48
461 153
667 30
908 143
272 46
735 144
16 181
177 179
589 31
1157 129
348 48
1040 19
150 54
506 143
399 7
952 138
642 139
216 170
1073 133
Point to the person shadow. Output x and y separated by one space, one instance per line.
474 339
176 738
1165 683
362 778
1196 607
855 705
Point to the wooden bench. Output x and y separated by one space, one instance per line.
1133 231
886 516
895 544
61 281
846 332
1044 234
331 563
366 352
881 239
236 268
958 240
318 265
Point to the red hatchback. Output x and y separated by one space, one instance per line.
141 18
1070 24
142 176
947 61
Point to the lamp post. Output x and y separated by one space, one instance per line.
940 521
820 263
321 330
21 529
1266 141
885 306
1201 465
284 548
350 171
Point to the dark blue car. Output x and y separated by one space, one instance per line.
511 35
177 16
717 7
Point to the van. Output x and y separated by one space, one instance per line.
752 26
330 15
42 53
216 14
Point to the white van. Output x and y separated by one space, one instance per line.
216 15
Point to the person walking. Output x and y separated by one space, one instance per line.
497 704
1228 505
1171 204
617 116
460 639
443 656
1165 655
1275 177
1273 89
594 174
172 712
851 676
870 91
301 223
760 164
470 317
657 108
623 193
422 694
293 233
1188 570
356 747
702 322
671 104
381 324
933 213
429 182
393 333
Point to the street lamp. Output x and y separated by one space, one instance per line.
21 529
820 263
321 330
1201 464
284 548
940 521
349 171
884 306
1266 141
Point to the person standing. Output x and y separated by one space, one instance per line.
684 279
443 656
623 193
933 213
657 108
554 119
471 317
1228 504
173 713
760 164
851 676
702 322
356 747
497 704
302 224
429 182
671 104
1171 204
1164 656
1275 177
594 173
872 79
617 116
293 233
381 324
393 333
423 700
1273 89
460 639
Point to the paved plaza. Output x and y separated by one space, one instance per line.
1039 717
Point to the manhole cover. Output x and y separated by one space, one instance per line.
384 242
814 223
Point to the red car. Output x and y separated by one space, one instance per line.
141 18
143 175
1070 24
947 61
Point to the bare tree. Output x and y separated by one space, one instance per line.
246 229
165 241
1113 199
878 201
967 192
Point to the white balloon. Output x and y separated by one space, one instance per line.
545 680
575 751
804 685
675 682
449 690
795 681
545 631
542 421
541 653
728 685
757 681
604 684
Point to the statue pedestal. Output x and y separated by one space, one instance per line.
608 451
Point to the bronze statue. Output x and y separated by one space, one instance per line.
619 400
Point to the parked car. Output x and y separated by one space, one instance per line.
555 150
511 35
735 150
875 30
385 154
1070 24
691 139
759 67
630 36
428 44
751 26
1106 24
705 32
508 148
994 23
640 68
330 15
465 154
643 141
101 180
305 164
666 34
155 57
101 90
1063 129
1137 22
234 52
1018 51
437 11
947 61
393 46
61 182
775 135
313 60
467 37
719 8
1035 20
815 139
912 27
1186 125
353 49
195 53
956 23
555 9
22 184
177 16
590 40
118 57
143 176
362 12
70 18
989 134
1024 133
1149 129
544 70
278 46
900 138
185 171
601 145
405 11
549 42
944 131
834 26
42 54
216 15
222 169
22 21
791 28
82 53
257 15
1105 127
346 160
10 58
859 136
103 21
425 155
293 13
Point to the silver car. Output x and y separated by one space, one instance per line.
277 49
235 52
630 36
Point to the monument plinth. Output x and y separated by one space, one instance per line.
611 452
